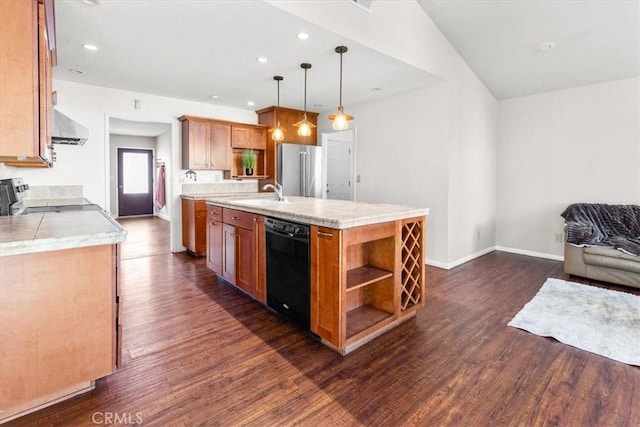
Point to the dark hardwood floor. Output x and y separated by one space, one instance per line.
199 352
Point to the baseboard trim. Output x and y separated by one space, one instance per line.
450 265
163 216
530 253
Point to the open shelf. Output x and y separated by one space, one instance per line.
365 275
364 317
249 176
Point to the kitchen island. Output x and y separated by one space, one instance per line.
59 303
366 260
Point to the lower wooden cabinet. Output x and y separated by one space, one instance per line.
214 241
60 324
236 249
365 280
194 222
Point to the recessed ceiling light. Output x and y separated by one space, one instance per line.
545 46
91 2
375 89
90 46
74 71
215 96
251 103
303 36
262 59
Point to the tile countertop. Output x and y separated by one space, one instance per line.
339 214
51 231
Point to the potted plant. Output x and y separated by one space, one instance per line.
249 161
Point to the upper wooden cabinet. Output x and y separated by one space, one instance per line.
247 136
287 117
27 53
206 144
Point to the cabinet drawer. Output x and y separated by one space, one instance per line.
214 212
238 218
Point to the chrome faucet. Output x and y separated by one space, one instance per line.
278 190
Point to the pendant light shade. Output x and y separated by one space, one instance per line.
304 126
340 119
278 134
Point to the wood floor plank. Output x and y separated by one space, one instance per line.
199 352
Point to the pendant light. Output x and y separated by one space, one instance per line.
278 134
304 126
340 119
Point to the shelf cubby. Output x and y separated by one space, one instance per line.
365 275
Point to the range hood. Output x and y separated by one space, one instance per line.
67 131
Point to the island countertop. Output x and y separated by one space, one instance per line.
338 214
50 231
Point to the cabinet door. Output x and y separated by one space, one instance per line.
200 225
326 293
214 245
219 146
245 261
260 256
249 137
188 224
229 253
24 84
195 144
46 85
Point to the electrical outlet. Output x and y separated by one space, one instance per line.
477 234
558 237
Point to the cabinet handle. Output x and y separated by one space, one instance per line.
235 218
322 233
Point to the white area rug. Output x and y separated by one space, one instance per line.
598 320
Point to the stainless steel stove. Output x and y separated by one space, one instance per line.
12 192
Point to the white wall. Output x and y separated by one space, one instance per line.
568 146
402 155
467 148
163 153
87 165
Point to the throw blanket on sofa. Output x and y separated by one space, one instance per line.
617 226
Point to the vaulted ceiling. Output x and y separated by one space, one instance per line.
192 49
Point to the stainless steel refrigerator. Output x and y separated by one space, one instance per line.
300 170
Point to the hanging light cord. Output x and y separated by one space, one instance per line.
305 93
277 122
340 79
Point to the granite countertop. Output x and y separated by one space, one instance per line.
205 196
51 231
339 214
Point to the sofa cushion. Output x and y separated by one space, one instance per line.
611 258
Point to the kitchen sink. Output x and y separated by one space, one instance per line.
261 202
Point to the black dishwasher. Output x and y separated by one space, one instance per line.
288 270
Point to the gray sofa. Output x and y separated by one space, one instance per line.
603 242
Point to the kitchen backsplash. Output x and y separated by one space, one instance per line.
37 192
222 187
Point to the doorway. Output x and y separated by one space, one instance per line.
135 182
339 148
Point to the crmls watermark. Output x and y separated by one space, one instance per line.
110 418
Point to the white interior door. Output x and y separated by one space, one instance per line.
339 148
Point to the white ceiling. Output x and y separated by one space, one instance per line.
194 49
596 41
